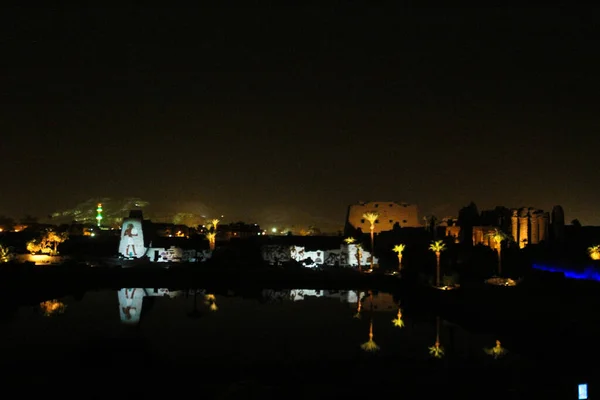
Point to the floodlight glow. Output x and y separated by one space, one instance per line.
588 273
582 391
99 215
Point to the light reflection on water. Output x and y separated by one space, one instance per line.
282 326
322 336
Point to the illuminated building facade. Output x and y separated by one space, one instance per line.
390 213
345 255
481 235
529 226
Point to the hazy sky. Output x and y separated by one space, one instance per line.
300 112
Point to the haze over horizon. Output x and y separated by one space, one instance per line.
296 113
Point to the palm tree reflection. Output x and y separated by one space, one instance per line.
211 301
437 350
497 351
52 307
370 345
195 313
358 305
398 321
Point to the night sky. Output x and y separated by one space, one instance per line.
290 115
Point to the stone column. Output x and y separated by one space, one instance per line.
523 231
533 217
542 227
514 226
546 231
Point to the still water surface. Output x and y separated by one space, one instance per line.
301 343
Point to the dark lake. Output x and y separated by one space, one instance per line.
267 344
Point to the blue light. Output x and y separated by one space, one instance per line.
588 273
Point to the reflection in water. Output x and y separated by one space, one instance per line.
358 307
381 302
195 313
52 307
211 301
398 321
314 342
370 345
437 350
131 301
497 351
130 304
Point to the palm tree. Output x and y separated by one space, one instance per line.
370 345
437 247
437 350
594 252
214 223
349 240
498 237
372 218
398 249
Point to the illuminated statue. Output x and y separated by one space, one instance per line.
370 345
437 247
498 237
372 218
358 254
130 233
131 244
52 307
398 249
398 320
496 351
211 301
594 252
437 350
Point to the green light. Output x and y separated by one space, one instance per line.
99 216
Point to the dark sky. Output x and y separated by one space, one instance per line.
300 112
